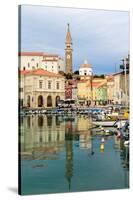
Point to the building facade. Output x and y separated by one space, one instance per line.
120 90
84 91
99 87
74 90
101 94
41 88
52 140
68 52
68 90
85 69
110 89
92 91
36 60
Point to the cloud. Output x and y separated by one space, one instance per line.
100 36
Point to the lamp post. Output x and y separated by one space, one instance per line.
91 88
125 74
125 70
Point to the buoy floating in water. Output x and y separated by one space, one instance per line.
102 147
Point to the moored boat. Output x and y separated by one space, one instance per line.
109 123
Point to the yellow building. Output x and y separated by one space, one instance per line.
110 89
88 89
84 90
96 84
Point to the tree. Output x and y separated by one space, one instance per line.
102 76
76 72
99 76
68 76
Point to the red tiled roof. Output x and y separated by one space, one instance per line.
95 84
110 79
49 60
23 72
30 53
102 84
40 72
82 81
37 54
51 55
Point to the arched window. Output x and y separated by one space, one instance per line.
28 100
40 101
57 100
49 101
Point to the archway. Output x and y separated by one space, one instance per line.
49 101
57 100
28 101
40 101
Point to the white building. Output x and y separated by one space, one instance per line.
40 88
35 60
85 69
119 88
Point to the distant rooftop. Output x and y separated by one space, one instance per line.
37 54
85 65
40 72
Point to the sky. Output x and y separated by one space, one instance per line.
99 36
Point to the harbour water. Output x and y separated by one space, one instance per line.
62 154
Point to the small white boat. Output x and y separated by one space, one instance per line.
126 143
110 123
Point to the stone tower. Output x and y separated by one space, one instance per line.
68 52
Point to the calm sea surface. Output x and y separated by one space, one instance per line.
62 154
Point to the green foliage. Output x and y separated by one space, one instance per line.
68 76
76 72
99 76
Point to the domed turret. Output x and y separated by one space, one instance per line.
85 69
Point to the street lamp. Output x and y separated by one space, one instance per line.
125 68
91 87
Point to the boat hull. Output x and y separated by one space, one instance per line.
109 123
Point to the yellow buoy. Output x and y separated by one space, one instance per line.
102 147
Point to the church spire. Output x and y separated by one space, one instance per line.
68 36
68 51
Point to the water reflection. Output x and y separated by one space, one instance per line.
47 138
124 151
49 120
40 121
28 121
69 161
62 129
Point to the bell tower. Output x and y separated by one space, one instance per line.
68 51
